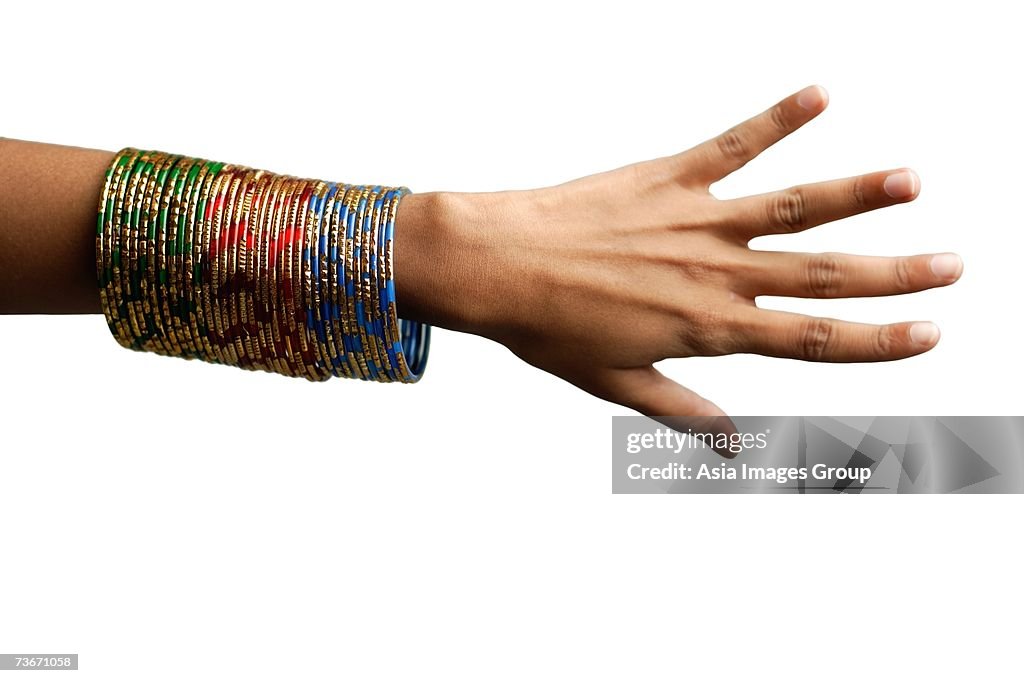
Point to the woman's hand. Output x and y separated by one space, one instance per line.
597 279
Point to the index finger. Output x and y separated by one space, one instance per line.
718 157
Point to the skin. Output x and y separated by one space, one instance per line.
593 280
597 279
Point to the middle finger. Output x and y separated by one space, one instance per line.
830 275
805 206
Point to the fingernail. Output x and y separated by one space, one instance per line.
946 266
924 334
811 97
901 185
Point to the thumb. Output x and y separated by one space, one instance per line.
647 391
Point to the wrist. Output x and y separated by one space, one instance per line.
443 262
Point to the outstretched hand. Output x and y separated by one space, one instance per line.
597 279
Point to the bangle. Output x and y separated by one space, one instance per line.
233 265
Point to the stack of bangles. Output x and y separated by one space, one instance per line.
244 267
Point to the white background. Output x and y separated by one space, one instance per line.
171 520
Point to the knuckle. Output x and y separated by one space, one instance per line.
715 343
779 119
707 331
859 192
788 209
648 176
816 338
733 145
902 274
885 341
825 275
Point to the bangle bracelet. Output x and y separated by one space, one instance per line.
233 265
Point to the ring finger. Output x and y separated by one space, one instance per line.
792 335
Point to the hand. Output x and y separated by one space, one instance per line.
597 279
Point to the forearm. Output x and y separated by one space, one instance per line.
48 200
48 197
